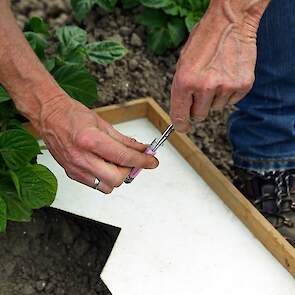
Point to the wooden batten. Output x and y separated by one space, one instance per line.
124 112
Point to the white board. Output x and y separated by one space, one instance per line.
177 236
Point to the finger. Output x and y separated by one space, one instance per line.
127 141
104 188
108 173
83 167
109 149
220 101
202 105
181 102
81 175
236 97
88 179
124 172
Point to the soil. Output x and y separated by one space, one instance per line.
58 253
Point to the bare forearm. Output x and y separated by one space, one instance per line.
217 63
240 8
240 12
86 146
21 72
236 18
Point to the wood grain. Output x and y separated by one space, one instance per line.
124 112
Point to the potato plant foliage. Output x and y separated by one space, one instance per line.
167 21
24 184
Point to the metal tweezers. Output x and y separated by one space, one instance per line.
159 142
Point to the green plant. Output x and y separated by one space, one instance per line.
24 184
167 21
82 7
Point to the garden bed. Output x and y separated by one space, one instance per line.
60 254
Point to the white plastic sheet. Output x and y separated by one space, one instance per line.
177 236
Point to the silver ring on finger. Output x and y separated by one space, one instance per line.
96 183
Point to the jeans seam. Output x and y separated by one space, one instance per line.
264 160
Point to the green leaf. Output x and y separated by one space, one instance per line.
76 56
3 166
183 12
105 52
200 5
16 210
177 31
159 40
17 147
4 96
38 185
172 8
37 25
155 3
82 8
37 42
49 64
3 215
127 4
191 20
7 110
78 83
152 18
107 5
164 31
14 124
15 180
71 37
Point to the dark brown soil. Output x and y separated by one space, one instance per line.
55 253
60 254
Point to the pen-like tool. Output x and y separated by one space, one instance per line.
151 150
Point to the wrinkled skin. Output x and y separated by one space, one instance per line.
216 66
84 144
87 146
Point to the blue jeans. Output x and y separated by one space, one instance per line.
262 130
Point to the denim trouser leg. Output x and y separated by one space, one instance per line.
262 131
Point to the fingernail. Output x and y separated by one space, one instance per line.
133 139
200 119
154 164
183 128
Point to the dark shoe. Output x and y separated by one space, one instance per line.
273 194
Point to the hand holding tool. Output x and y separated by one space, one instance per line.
151 150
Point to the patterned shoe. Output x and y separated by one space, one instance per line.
273 194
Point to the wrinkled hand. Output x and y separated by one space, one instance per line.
216 67
87 146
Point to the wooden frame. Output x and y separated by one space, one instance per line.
243 209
